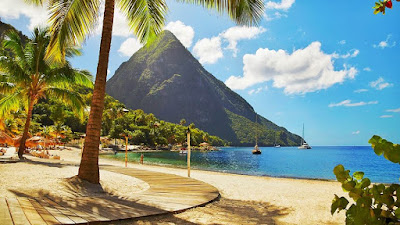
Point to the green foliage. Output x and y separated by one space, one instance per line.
386 148
377 204
268 133
147 129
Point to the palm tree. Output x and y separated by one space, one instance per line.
72 20
26 77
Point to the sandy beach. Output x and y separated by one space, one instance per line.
244 199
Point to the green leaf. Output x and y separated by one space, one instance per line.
365 183
364 202
338 204
358 175
397 213
338 169
348 185
387 199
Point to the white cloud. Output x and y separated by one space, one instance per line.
183 32
386 116
129 46
256 91
393 110
14 9
353 54
355 132
386 43
360 90
305 70
342 42
208 50
237 33
283 5
380 84
348 103
276 15
367 69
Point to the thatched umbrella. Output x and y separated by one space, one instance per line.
204 144
5 138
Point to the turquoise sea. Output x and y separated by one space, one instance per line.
315 163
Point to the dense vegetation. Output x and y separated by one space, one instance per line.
165 79
378 204
267 133
143 128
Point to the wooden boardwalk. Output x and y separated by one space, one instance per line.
167 193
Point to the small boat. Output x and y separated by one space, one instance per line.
256 150
275 145
183 151
304 144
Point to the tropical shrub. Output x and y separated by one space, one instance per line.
377 204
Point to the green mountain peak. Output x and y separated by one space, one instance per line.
165 79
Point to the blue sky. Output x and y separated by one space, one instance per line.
332 66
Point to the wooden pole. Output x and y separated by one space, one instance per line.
126 151
188 153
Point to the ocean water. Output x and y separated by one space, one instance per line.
315 163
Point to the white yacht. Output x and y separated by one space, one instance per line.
256 150
304 144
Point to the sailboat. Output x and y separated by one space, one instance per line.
275 145
304 144
256 150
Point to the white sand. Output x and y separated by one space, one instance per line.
245 199
35 179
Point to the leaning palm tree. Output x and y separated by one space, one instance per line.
72 20
25 77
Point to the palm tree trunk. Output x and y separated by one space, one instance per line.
22 146
89 167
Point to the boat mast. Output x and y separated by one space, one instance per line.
256 128
302 137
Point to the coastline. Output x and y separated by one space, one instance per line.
210 170
245 199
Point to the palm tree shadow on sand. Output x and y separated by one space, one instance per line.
222 211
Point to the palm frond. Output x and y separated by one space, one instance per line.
7 88
10 103
13 43
71 21
72 99
83 78
66 77
243 12
145 17
35 2
11 69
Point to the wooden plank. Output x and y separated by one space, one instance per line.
65 211
55 212
30 212
46 215
95 208
74 207
17 214
5 216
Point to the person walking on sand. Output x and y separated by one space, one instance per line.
141 158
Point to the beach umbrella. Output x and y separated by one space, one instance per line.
5 138
204 144
35 138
